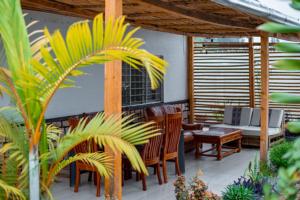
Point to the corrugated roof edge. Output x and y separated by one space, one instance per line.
260 10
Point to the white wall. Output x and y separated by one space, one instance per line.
89 96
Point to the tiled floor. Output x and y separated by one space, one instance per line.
217 174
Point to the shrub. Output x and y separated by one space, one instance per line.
196 190
238 192
257 186
277 153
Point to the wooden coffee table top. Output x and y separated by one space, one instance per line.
216 132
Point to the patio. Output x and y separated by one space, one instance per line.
217 174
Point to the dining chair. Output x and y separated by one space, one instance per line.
171 142
85 147
151 151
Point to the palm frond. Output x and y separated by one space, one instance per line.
53 135
15 166
16 43
114 132
18 140
11 192
101 161
83 47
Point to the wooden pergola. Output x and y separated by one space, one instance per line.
203 18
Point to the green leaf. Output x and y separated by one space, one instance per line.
288 47
286 98
11 192
296 4
279 28
294 127
288 64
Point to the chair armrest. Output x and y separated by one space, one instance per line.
191 127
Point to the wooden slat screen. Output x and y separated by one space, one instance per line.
221 77
280 80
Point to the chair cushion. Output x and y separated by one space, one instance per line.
188 136
155 111
255 119
170 109
276 118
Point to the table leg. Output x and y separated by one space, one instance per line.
239 145
181 154
72 171
219 149
197 152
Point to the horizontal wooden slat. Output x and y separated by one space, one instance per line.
221 77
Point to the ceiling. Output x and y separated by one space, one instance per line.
187 17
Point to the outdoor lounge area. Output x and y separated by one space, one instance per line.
149 99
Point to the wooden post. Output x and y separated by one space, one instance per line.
113 104
190 67
264 114
251 74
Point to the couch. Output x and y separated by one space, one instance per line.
248 120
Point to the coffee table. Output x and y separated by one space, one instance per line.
218 137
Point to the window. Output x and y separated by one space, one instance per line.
136 87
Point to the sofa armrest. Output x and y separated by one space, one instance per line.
190 127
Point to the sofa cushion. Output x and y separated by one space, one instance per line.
226 126
275 118
248 130
255 131
237 115
255 119
228 115
246 116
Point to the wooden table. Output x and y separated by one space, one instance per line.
218 137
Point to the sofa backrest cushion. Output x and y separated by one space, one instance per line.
237 116
228 115
246 115
255 119
275 118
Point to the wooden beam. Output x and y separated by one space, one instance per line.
264 112
113 105
190 67
251 74
200 16
57 8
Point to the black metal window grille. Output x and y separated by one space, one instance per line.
136 87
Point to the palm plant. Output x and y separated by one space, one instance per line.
35 70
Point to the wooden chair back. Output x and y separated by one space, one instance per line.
173 132
151 150
86 146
